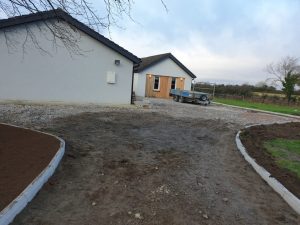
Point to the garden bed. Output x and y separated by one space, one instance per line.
274 147
24 154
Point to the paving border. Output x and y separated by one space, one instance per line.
288 196
8 214
259 110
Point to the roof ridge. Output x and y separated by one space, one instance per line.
47 14
61 14
163 54
149 61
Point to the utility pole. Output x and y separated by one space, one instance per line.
193 82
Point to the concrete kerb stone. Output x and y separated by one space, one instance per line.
289 197
19 203
258 110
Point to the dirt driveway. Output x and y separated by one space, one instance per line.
170 164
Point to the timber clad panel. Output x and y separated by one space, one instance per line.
163 89
149 85
164 86
180 83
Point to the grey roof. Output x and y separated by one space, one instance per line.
60 14
152 60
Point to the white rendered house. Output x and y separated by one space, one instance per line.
101 72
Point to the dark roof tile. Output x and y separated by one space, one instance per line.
60 14
147 62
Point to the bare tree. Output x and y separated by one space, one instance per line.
83 10
286 73
111 13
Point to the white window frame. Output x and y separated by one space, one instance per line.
154 83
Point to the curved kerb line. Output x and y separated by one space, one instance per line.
19 203
260 110
288 196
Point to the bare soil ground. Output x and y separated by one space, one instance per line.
24 154
253 139
165 163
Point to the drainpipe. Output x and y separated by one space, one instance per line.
193 84
131 98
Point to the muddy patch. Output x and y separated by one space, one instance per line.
151 168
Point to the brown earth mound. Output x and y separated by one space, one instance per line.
253 139
23 155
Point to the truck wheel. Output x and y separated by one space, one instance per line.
181 99
203 98
176 98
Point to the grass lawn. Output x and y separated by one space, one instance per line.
262 106
286 153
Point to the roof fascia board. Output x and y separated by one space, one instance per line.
176 61
60 14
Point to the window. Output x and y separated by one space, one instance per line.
156 83
173 83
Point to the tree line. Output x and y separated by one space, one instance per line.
245 90
284 74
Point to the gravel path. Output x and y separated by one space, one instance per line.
227 114
161 162
37 115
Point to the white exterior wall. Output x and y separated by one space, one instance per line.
139 84
60 77
166 67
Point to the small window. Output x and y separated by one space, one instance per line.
156 83
173 83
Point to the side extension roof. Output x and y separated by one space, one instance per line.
60 14
152 60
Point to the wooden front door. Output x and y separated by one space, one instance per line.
180 83
163 89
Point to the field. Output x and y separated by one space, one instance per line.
261 106
280 95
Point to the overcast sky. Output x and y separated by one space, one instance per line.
220 41
223 41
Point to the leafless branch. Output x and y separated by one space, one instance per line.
286 72
164 4
110 15
112 12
